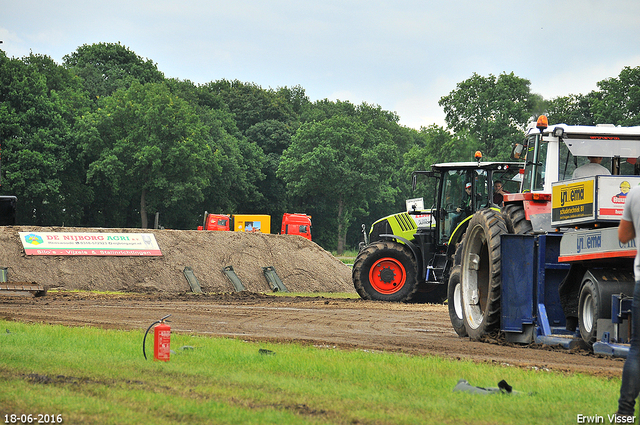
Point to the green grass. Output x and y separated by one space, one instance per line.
348 257
95 376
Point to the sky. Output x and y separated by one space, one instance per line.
401 55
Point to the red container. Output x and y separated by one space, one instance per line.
162 342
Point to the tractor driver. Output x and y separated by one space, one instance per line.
465 209
498 193
591 168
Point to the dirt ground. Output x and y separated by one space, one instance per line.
156 287
302 265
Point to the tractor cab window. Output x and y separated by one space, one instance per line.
534 169
629 167
505 181
481 190
566 164
462 194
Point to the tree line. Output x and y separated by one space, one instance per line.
106 140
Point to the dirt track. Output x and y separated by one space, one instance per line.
156 287
346 323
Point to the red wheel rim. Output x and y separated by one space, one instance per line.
387 276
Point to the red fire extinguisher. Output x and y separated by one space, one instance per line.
161 340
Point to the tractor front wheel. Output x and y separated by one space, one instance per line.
385 271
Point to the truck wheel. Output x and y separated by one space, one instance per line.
455 302
481 273
516 219
385 271
588 311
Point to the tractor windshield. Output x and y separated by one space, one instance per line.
534 170
463 192
506 180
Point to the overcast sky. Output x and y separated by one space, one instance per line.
401 55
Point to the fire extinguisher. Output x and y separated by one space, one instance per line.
161 340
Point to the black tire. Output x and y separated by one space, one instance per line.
481 273
433 293
457 256
516 220
589 311
454 297
385 271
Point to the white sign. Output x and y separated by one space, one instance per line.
612 194
415 204
94 244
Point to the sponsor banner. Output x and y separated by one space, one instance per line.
92 244
612 194
423 220
572 201
594 243
598 198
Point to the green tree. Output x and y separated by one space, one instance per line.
107 67
618 100
340 160
273 137
399 182
238 188
435 145
147 144
324 109
39 101
495 111
252 104
572 109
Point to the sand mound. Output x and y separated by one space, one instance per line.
302 265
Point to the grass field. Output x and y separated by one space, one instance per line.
95 376
347 257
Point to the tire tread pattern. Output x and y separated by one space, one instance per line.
516 219
494 226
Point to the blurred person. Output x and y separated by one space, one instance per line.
630 387
591 168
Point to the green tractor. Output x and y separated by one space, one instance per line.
407 257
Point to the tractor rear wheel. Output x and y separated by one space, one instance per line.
385 271
481 273
455 302
516 219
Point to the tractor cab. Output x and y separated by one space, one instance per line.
549 161
466 188
553 153
408 255
463 189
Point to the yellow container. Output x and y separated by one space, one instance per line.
252 223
